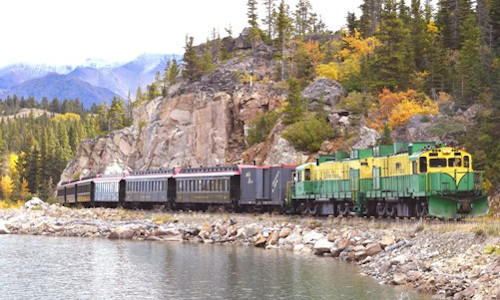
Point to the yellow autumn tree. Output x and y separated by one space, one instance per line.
23 190
7 186
396 109
13 158
348 58
66 117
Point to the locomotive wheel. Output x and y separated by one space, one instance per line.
381 209
391 210
421 210
314 209
302 209
343 209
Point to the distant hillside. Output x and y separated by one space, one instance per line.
106 79
63 87
25 112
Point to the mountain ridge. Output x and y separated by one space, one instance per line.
117 78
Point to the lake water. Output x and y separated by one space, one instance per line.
36 267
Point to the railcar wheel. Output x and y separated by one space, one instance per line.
391 210
302 209
343 209
314 209
381 209
421 210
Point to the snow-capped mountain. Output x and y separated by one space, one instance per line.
104 78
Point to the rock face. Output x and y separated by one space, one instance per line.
323 91
200 123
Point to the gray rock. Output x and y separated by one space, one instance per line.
35 203
399 278
324 92
373 249
311 237
3 229
322 246
367 138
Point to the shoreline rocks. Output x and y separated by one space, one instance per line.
447 265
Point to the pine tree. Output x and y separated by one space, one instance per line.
191 61
392 65
495 24
252 13
302 17
294 110
352 22
418 29
450 17
469 65
269 19
370 15
116 114
283 29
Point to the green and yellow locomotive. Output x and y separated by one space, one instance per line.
400 180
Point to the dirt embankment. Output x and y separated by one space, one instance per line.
447 260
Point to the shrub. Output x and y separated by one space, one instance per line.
355 102
260 127
308 134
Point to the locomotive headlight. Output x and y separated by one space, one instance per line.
446 151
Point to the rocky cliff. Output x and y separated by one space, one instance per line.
204 122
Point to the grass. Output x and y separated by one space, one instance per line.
7 204
160 219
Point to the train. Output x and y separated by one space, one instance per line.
400 180
236 188
417 179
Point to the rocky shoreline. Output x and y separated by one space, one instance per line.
448 261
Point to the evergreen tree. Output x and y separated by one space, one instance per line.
191 61
283 29
252 13
418 29
392 65
303 17
269 19
116 114
370 14
294 110
352 22
469 65
495 25
450 18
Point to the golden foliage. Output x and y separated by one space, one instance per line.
11 205
398 108
24 191
7 186
67 117
13 158
349 58
432 27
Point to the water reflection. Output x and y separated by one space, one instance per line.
71 268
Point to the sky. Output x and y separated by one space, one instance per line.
62 32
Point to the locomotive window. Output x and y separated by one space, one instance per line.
423 164
466 161
454 162
437 162
308 174
398 166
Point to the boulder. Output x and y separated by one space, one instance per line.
399 278
373 249
285 232
124 231
399 260
273 237
322 246
3 229
260 242
35 203
387 240
325 92
311 237
344 244
359 255
367 138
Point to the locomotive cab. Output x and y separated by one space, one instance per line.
451 185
